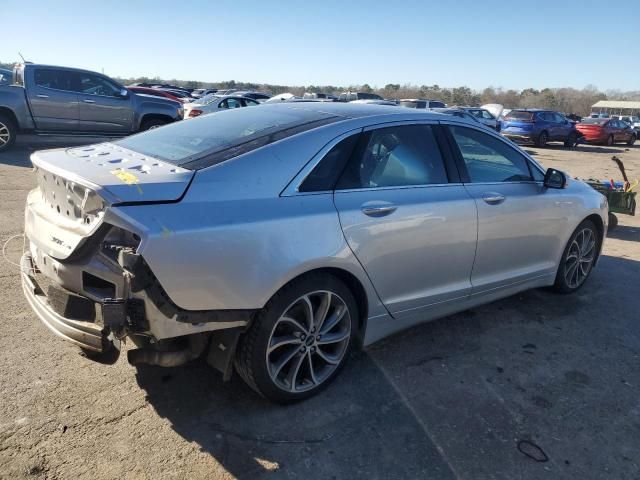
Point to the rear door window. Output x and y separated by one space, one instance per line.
55 79
396 157
489 159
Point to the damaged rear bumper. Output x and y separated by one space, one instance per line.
88 335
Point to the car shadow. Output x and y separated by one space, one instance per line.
580 148
625 233
372 422
357 428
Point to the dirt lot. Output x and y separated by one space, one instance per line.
451 399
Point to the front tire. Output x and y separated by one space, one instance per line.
149 123
300 340
8 132
578 258
632 140
610 140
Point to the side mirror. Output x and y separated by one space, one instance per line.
555 179
124 93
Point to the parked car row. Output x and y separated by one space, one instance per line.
539 127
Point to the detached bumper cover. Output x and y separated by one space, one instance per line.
87 335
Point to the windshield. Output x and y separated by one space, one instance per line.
222 135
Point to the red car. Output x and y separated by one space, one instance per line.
156 93
607 131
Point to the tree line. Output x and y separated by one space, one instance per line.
567 99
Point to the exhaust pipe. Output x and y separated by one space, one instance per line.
197 344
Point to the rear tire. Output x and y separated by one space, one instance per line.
292 351
150 123
578 258
613 221
8 132
542 139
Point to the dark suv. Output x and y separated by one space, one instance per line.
539 127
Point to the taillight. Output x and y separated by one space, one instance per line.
195 113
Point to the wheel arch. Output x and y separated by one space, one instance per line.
353 284
597 221
155 116
12 116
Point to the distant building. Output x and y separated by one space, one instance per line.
616 107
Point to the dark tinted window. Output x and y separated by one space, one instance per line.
518 115
211 139
368 96
489 159
394 157
326 173
50 78
436 104
594 121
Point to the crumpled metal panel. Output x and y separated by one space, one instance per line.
115 173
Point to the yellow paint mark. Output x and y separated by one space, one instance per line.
128 178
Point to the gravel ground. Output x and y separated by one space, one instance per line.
535 386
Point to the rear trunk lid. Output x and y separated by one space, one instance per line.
77 185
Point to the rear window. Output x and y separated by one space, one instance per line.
595 121
413 104
519 115
211 139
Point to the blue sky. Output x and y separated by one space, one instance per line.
450 43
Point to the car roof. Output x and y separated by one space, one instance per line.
359 110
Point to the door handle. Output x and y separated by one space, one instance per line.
493 198
378 211
89 101
42 96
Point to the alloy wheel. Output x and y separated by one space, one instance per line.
5 135
580 258
308 342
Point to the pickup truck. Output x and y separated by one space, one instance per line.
48 100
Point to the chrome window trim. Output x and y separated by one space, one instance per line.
399 187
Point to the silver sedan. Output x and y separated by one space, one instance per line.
274 240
